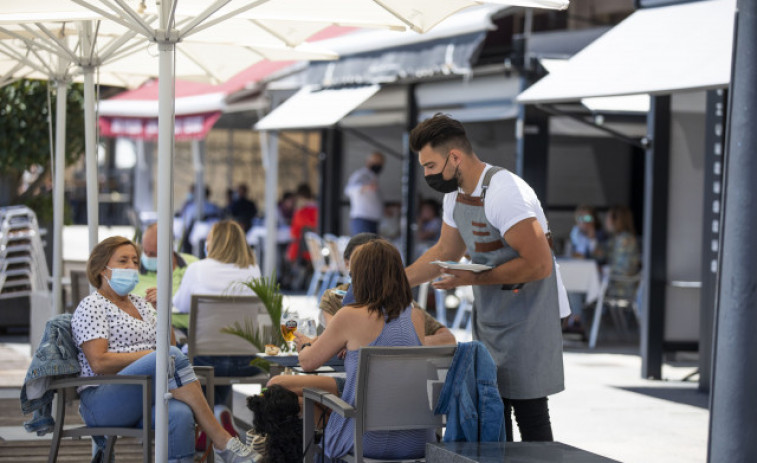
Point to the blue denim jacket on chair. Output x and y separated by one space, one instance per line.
55 356
470 397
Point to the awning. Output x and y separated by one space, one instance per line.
311 108
188 127
656 51
480 99
379 56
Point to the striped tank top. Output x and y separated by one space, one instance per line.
338 436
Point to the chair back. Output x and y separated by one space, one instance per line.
314 244
336 255
398 387
79 287
208 314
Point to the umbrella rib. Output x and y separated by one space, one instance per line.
398 16
44 69
202 16
114 17
116 44
197 28
133 15
204 68
30 43
62 45
272 32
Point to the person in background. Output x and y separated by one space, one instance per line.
229 262
429 225
305 217
148 266
366 205
586 236
621 253
286 208
116 333
242 209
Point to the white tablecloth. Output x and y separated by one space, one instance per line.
581 276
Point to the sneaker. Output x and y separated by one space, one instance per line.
224 416
237 452
256 442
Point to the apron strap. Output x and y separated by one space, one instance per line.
487 179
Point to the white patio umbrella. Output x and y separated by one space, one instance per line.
292 21
62 51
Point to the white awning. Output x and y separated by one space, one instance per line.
310 108
656 51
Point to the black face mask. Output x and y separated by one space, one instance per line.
376 168
439 183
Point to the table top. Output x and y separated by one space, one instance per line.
520 452
581 276
334 364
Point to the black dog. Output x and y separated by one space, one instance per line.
275 414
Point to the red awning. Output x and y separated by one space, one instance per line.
189 127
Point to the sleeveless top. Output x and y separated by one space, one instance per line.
339 433
518 324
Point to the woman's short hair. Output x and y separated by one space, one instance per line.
229 244
100 256
358 240
621 219
378 279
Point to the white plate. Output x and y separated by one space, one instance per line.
458 266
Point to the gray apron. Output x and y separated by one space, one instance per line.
519 325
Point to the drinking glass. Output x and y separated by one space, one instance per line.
288 327
307 327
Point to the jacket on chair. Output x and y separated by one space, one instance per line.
56 356
470 397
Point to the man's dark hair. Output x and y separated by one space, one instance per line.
304 191
440 130
358 240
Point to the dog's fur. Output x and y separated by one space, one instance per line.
276 414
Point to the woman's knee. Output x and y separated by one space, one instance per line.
181 417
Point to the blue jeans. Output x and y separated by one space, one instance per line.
227 366
120 405
358 225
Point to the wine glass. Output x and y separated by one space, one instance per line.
288 327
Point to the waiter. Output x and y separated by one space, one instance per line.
495 217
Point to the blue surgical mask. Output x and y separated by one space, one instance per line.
150 263
123 280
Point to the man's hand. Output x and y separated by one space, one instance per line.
151 296
454 278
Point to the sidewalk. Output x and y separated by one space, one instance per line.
606 408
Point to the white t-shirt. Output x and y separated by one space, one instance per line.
509 200
364 204
97 317
209 276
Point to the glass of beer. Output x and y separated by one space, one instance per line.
288 327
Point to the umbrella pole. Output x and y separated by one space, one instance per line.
90 144
60 166
269 143
166 89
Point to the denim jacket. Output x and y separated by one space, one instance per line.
470 397
55 356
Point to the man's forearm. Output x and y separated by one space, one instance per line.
422 270
442 337
515 271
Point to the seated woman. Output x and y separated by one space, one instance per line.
229 262
622 253
116 334
381 316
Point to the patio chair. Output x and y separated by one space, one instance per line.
65 392
208 314
383 402
616 306
338 268
322 272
